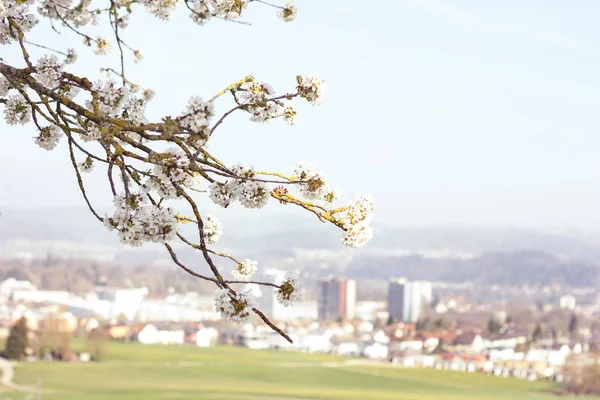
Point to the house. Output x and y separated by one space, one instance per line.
376 350
555 355
347 348
153 334
468 342
206 337
316 341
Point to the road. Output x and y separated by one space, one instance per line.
8 373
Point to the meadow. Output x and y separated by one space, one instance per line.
134 371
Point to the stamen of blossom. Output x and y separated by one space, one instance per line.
290 290
311 88
245 270
235 308
212 229
289 12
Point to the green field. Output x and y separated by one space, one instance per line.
230 373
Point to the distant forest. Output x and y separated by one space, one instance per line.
518 268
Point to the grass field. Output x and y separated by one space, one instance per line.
229 373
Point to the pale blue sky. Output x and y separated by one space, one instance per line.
446 111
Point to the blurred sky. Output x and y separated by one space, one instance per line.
445 111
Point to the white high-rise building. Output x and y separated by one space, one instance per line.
268 301
407 299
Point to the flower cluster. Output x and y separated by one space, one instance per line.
289 290
87 165
103 46
235 307
78 14
139 221
231 9
200 12
4 86
171 170
250 193
49 137
289 12
212 229
111 97
314 187
161 8
355 221
48 71
311 88
18 11
245 270
16 110
197 119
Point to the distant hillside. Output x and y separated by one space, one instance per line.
515 268
81 276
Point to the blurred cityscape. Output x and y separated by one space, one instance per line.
419 324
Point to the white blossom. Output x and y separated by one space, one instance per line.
357 235
92 132
355 220
197 118
16 110
18 12
87 166
221 194
139 221
212 229
4 86
289 12
49 71
71 56
231 9
200 12
49 137
111 97
315 187
311 88
245 270
235 308
289 115
290 290
171 170
163 9
253 194
243 188
103 46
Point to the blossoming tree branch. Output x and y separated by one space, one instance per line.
147 163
